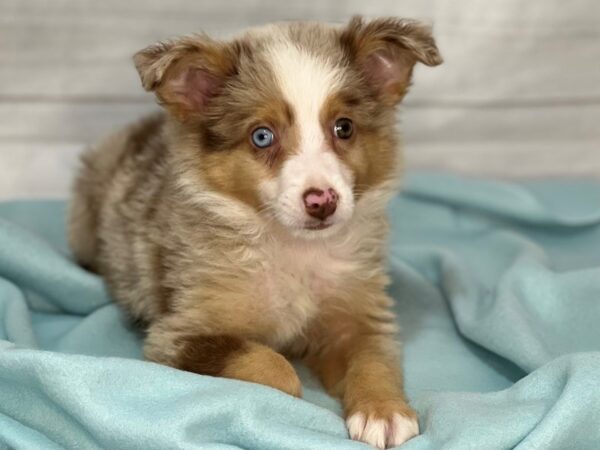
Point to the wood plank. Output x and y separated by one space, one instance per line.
37 170
535 159
493 50
65 121
518 93
86 122
45 169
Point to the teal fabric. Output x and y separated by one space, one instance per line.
497 289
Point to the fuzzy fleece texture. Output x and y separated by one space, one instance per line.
497 290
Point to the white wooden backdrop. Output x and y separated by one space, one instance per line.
519 94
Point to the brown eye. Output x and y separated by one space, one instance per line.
343 128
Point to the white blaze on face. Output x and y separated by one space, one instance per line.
306 82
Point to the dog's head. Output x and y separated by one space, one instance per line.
296 120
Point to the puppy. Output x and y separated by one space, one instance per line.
247 223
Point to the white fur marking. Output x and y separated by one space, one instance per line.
306 81
382 433
356 424
403 429
375 431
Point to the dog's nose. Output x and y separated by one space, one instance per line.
319 203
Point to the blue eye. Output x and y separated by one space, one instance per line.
263 137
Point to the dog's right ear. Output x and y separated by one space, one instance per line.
186 73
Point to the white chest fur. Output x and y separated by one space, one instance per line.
295 277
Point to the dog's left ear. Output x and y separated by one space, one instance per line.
386 51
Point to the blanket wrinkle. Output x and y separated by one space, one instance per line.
497 292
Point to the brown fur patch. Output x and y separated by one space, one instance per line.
164 68
358 363
402 42
262 365
371 152
231 164
207 355
164 291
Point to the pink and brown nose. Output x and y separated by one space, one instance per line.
319 203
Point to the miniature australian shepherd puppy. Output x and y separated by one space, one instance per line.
247 223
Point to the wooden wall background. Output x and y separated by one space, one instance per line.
519 94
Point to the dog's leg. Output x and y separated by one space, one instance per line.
360 366
223 355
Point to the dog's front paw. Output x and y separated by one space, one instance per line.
383 424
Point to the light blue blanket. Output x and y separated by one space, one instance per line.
497 290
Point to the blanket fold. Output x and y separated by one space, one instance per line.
497 290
